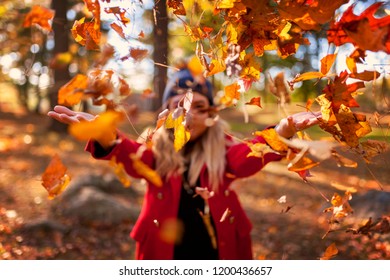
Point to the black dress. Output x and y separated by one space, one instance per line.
196 243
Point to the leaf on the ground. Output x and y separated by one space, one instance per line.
330 252
39 16
145 171
72 92
54 178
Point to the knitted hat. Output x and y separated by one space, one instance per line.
183 80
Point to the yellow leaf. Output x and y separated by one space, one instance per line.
120 171
71 93
308 76
101 129
259 150
304 163
145 171
351 64
250 66
215 67
232 94
195 66
181 135
272 139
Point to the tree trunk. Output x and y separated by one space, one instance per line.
160 54
61 41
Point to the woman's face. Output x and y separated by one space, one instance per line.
197 115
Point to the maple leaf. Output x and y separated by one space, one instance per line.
177 6
259 150
119 13
120 172
341 207
94 7
309 16
232 94
145 171
255 101
72 92
101 129
273 140
86 34
373 148
365 31
278 88
136 54
54 178
39 16
330 252
181 135
250 66
340 93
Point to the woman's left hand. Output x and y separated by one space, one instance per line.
287 127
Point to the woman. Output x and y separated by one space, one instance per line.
195 214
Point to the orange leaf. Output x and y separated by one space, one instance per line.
55 179
232 94
120 172
118 29
177 6
365 76
272 139
39 16
119 12
85 34
255 101
327 62
101 129
145 171
307 76
304 163
330 252
71 93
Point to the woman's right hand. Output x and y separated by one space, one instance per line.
67 116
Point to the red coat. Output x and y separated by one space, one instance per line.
161 204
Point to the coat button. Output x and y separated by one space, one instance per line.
231 219
227 193
160 195
156 223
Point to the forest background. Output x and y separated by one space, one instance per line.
267 59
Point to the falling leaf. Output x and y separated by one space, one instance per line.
366 31
171 231
86 35
101 129
273 140
119 13
282 199
55 179
72 92
330 252
341 207
39 16
120 172
118 29
365 76
136 54
215 67
232 94
321 150
373 148
327 62
259 150
181 135
225 215
304 163
145 171
177 6
255 101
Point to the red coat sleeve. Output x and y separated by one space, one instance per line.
121 152
240 165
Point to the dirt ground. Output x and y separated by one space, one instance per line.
294 230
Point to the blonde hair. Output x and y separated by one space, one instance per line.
209 150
